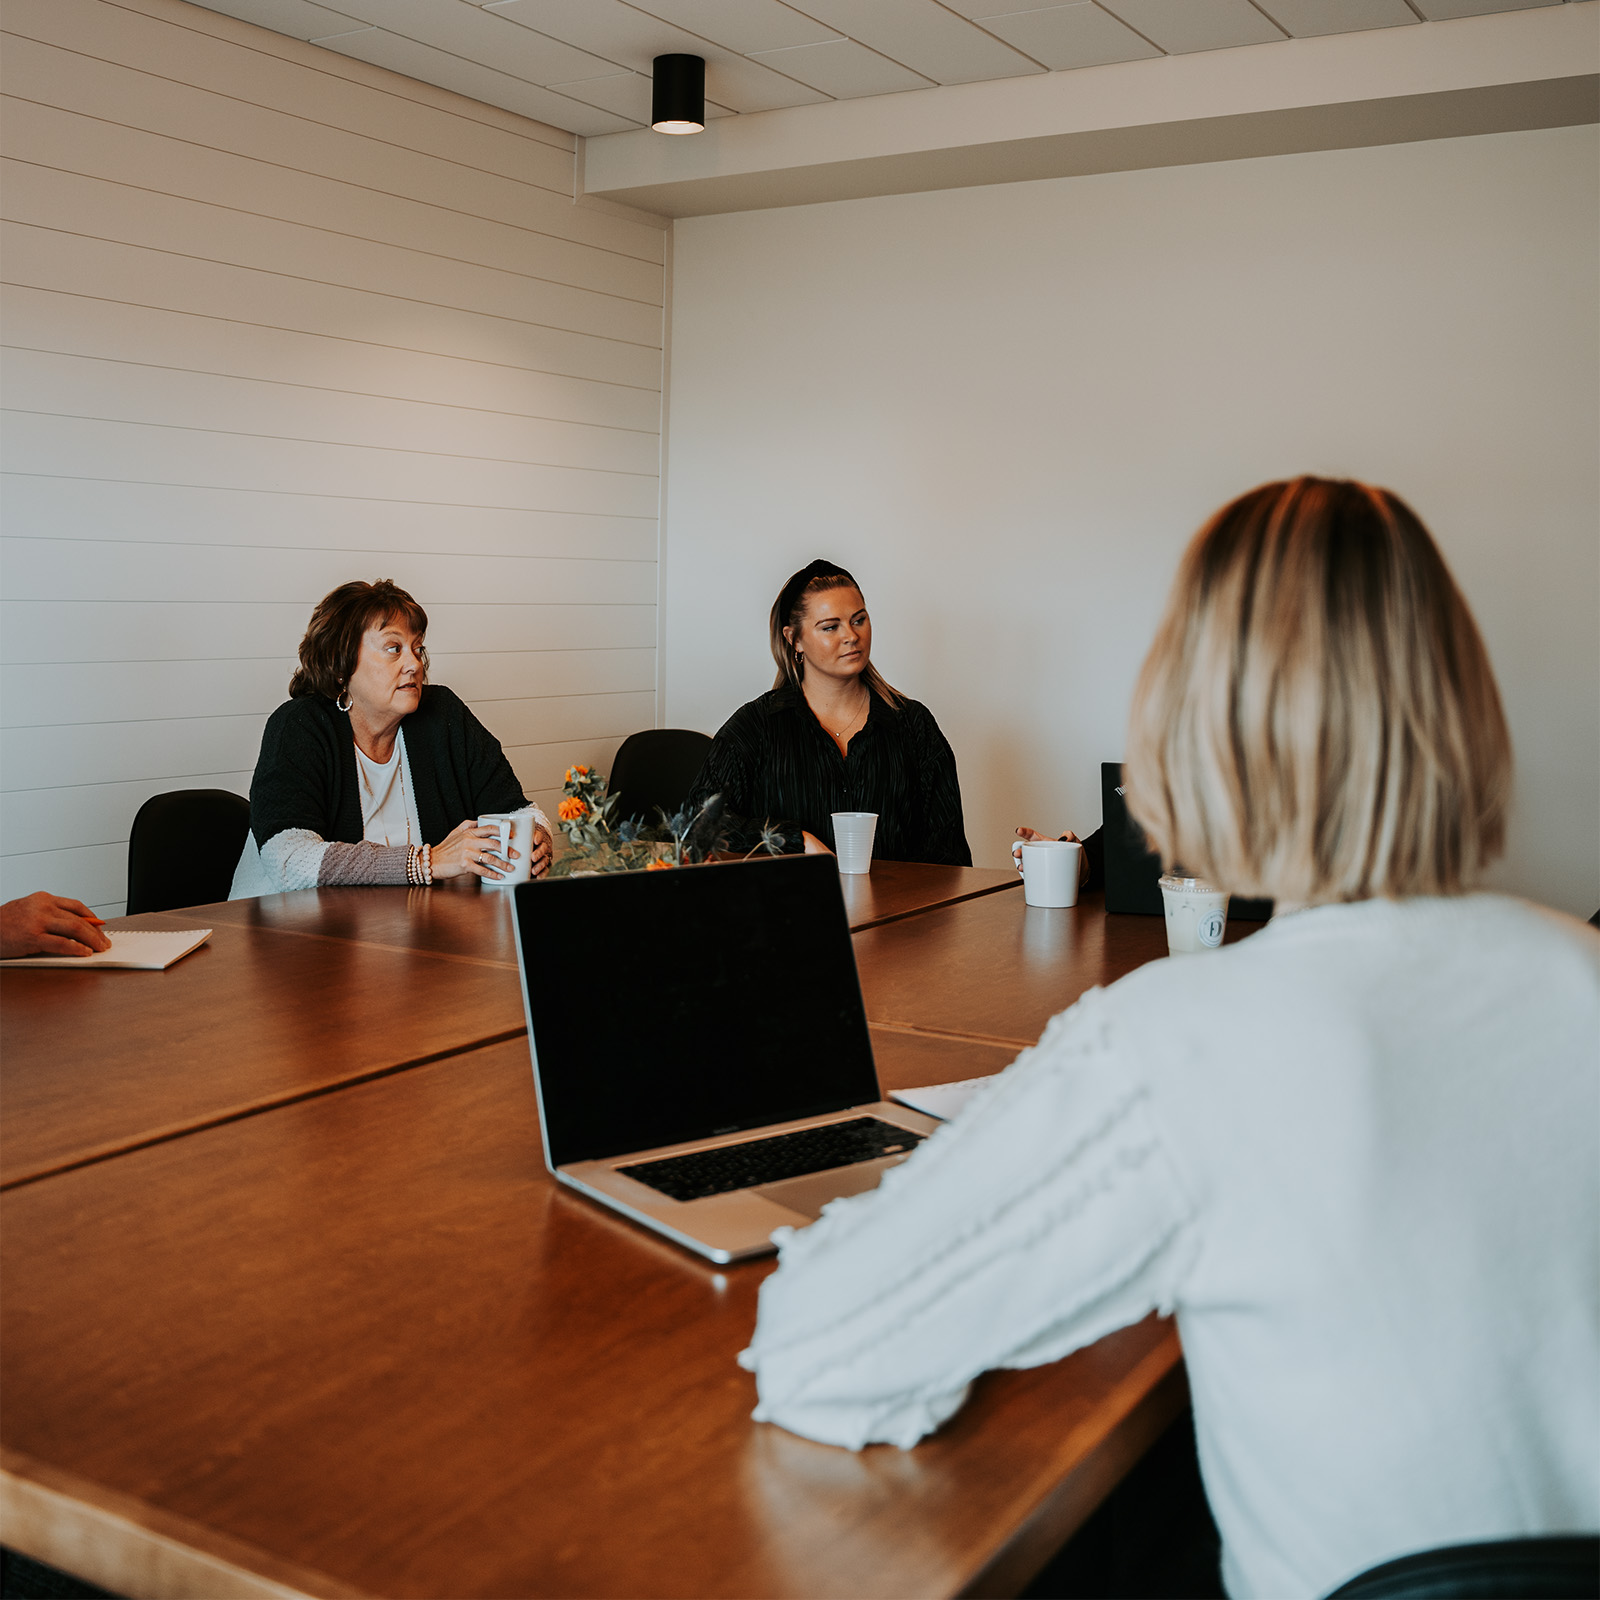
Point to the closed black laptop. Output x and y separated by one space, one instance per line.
1133 870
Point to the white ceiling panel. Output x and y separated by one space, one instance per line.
1440 10
746 85
742 26
584 65
1075 35
1181 26
923 35
626 93
610 29
478 82
843 69
482 36
299 19
629 37
1304 19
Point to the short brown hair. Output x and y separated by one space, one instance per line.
1317 719
333 636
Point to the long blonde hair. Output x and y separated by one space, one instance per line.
1317 718
789 611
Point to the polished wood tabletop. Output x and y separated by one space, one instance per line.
460 918
292 995
101 1061
896 889
292 1306
997 968
365 1345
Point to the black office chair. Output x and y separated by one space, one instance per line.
184 847
656 768
1558 1567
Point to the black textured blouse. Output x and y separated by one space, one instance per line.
772 761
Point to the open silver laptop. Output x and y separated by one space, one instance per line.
700 1050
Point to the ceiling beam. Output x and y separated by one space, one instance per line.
1536 68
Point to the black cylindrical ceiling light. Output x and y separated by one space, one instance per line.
678 95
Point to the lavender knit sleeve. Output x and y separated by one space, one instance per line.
297 858
362 864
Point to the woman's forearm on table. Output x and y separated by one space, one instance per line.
292 859
1043 1218
297 858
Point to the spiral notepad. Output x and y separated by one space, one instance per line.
135 948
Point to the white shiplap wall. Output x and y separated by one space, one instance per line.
275 319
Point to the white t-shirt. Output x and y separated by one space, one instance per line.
388 797
1358 1154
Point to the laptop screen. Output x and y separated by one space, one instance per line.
667 1006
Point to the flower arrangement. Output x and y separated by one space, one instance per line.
598 842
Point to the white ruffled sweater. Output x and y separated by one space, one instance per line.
1357 1154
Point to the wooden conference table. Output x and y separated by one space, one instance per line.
292 1307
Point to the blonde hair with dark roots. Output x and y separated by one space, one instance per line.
789 611
1317 719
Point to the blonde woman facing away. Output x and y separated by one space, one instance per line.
1355 1154
369 774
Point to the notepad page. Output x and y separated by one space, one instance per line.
941 1100
134 948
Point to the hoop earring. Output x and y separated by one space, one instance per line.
800 656
344 701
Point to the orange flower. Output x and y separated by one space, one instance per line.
571 810
574 773
659 865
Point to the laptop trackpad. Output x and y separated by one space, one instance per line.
808 1195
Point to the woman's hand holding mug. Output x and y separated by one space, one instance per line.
470 848
1028 836
543 851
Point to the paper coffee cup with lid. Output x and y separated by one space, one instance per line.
1197 914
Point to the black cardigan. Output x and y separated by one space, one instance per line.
306 775
773 761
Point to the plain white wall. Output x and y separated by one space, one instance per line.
276 319
1007 408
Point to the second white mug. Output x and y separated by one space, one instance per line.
1050 871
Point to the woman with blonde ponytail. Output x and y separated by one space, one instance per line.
831 735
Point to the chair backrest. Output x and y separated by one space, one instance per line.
183 848
1554 1567
656 768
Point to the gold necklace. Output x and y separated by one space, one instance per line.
859 716
361 772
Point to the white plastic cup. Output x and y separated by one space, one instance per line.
1197 915
1050 870
515 828
853 832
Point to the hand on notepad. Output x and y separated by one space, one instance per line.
49 924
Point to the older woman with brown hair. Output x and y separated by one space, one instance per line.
367 763
1355 1153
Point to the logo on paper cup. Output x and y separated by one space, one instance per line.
1209 929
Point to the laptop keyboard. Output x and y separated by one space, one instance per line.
787 1155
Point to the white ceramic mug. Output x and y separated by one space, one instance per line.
1197 915
515 829
1050 870
853 833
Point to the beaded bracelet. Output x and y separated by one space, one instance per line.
426 854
